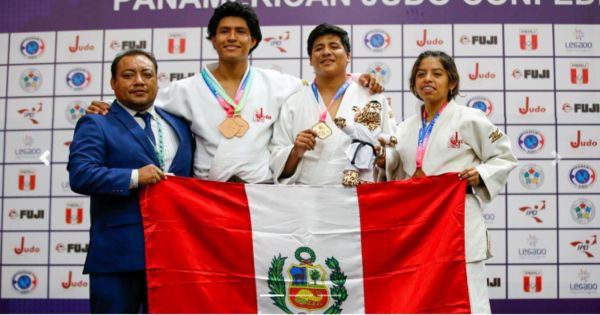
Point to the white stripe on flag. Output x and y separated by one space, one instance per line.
325 219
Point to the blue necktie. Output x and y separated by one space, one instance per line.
148 129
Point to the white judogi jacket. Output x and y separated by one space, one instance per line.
217 158
462 137
326 163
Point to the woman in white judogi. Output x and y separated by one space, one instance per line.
447 137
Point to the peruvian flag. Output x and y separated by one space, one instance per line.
395 247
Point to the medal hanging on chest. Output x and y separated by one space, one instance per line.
234 125
323 131
424 135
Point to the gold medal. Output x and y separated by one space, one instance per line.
242 124
229 128
419 173
323 131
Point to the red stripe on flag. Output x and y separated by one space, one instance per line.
199 255
413 246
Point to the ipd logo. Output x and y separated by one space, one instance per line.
24 281
32 47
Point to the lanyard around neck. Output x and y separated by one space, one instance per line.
425 133
232 107
337 95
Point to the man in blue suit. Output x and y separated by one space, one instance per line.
111 157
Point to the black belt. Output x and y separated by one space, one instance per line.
360 145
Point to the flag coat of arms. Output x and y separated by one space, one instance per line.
395 247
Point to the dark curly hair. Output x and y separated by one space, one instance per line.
234 8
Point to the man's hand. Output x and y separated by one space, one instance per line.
305 141
369 81
471 175
150 174
97 107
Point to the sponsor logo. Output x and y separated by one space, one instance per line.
176 44
13 214
582 175
494 282
27 151
581 107
32 47
585 143
260 116
532 251
128 44
70 283
531 141
30 80
532 281
455 141
578 44
377 40
60 247
580 73
531 176
26 180
23 249
74 111
74 213
531 73
586 108
173 76
24 281
479 40
381 71
528 39
527 109
585 246
30 113
583 211
30 214
584 285
534 211
483 75
482 103
72 248
78 47
278 41
429 42
79 79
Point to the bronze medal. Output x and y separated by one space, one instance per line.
323 131
242 124
419 173
229 128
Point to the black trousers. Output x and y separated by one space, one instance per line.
119 292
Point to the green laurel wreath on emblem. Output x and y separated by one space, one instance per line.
276 281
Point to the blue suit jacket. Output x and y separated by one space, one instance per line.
103 153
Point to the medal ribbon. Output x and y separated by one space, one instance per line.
160 148
425 133
235 106
337 95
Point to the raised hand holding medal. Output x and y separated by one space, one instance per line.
323 131
234 125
